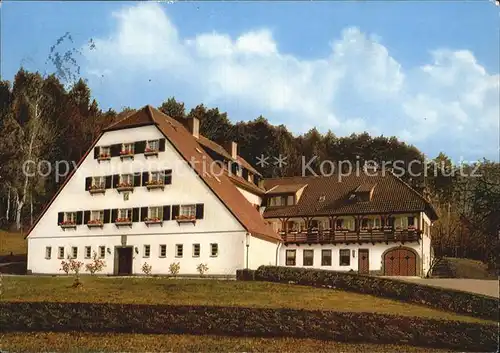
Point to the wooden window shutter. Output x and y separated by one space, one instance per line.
96 152
166 213
135 214
114 214
114 150
116 179
107 181
137 179
107 215
162 145
60 217
140 147
145 178
175 211
199 211
79 217
144 213
88 183
168 177
86 217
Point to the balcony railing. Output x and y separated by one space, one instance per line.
330 236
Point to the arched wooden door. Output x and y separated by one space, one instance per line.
400 262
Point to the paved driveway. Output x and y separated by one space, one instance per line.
481 286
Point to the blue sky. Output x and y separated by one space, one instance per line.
424 71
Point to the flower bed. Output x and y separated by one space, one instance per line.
123 222
155 184
95 189
150 152
239 321
67 224
124 187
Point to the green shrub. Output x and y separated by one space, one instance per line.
237 321
445 299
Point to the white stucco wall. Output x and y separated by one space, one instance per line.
260 252
217 226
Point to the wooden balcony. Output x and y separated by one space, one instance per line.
332 236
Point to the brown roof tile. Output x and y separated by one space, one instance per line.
391 195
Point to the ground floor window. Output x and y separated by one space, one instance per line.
60 252
74 252
345 257
308 258
179 250
214 250
88 252
147 250
196 250
163 250
48 252
102 252
326 257
290 257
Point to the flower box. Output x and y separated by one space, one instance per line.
94 223
155 184
150 152
123 222
67 224
126 154
97 189
104 157
125 187
149 221
185 219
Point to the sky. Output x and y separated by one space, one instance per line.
424 71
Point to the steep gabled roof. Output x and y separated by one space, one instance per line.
187 146
390 195
285 188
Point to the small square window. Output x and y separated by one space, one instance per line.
147 250
326 257
74 252
345 257
214 250
290 257
48 252
179 250
163 250
196 250
60 252
102 252
308 257
88 252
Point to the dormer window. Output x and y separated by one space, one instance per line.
363 193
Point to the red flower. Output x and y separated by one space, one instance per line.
122 220
125 152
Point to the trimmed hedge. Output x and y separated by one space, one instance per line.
236 321
440 298
245 275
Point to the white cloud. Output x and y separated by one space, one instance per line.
449 104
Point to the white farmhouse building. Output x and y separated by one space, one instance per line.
152 190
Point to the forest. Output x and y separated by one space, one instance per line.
44 119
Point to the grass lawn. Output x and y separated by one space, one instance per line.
85 342
160 290
12 242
